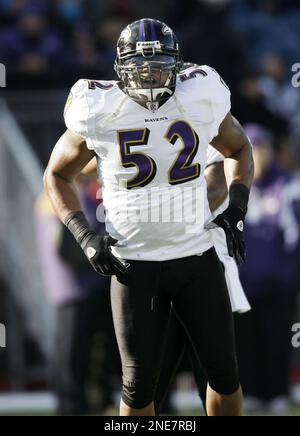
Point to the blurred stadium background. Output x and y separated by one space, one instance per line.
47 295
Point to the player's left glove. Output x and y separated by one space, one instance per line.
232 222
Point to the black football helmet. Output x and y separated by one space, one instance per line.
148 60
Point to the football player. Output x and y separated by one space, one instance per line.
150 132
177 340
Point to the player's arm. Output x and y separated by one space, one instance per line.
217 190
69 157
234 144
90 170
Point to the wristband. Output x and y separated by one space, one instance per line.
239 196
77 223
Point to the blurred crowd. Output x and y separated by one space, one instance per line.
49 44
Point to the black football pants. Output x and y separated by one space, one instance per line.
141 302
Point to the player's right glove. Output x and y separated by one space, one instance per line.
232 222
97 248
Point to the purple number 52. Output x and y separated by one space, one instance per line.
182 170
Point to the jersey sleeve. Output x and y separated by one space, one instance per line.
76 112
214 156
219 96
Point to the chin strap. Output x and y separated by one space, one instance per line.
145 97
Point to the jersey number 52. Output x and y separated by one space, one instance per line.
181 171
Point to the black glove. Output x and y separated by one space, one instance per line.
98 251
97 248
232 222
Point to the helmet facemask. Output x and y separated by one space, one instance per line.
149 74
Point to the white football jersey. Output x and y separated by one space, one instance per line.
214 156
151 164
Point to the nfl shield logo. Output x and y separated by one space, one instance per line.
152 106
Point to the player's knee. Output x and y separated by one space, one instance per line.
137 394
225 379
